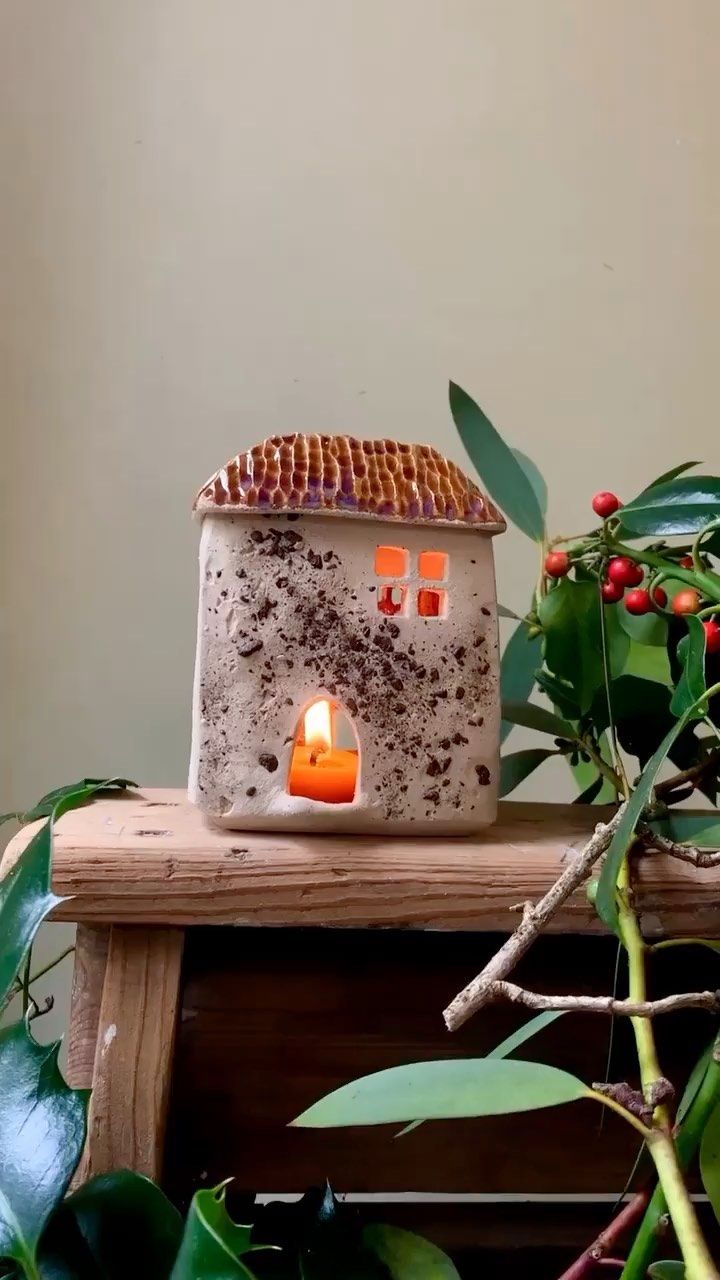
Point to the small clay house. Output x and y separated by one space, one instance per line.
347 657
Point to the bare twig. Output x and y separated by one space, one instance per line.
597 1252
476 993
685 852
693 775
709 1000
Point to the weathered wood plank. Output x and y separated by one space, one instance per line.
150 858
133 1058
272 1020
91 950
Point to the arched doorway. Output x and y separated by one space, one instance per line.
325 758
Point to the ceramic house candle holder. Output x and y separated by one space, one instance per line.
347 667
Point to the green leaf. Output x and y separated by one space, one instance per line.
502 474
646 628
442 1090
695 1079
671 474
710 1160
518 766
407 1256
667 1271
212 1243
699 829
42 1131
570 617
26 897
520 661
648 662
502 612
591 792
535 477
96 1232
534 717
560 694
683 505
605 902
691 685
85 787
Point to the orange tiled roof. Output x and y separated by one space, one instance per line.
345 476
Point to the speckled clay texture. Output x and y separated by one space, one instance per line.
288 612
341 475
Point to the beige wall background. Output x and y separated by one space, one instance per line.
220 219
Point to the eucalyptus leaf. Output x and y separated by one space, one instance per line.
212 1244
407 1256
710 1160
534 717
695 1079
42 1132
535 477
570 618
672 474
605 901
683 505
518 765
691 686
442 1090
502 612
520 660
591 792
502 474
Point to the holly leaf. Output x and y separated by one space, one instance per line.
42 1132
407 1256
502 473
212 1244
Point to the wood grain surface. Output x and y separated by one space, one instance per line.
149 857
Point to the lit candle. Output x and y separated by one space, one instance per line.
319 770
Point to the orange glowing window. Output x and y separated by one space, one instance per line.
391 562
431 603
433 565
391 600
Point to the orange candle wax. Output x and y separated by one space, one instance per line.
323 775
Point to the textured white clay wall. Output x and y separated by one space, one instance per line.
289 612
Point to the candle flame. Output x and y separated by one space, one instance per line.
318 725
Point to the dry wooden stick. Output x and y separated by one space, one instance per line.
709 1000
684 852
534 920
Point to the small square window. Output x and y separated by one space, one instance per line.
391 600
431 603
433 565
391 562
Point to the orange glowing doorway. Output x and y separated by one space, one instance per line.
320 768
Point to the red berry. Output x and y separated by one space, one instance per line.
623 571
660 597
611 592
686 562
687 601
557 563
605 504
712 636
638 601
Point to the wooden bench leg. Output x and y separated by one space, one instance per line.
133 1051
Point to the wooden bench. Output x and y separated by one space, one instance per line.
201 1043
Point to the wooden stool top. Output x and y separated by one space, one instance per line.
148 857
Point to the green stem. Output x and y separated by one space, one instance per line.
647 1240
698 1262
708 583
601 765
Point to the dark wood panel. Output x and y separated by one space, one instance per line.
273 1020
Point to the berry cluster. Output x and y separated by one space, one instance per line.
624 578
